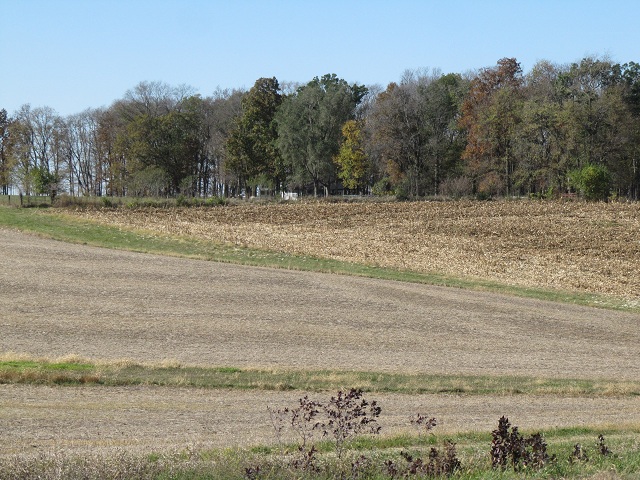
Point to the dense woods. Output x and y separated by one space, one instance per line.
555 130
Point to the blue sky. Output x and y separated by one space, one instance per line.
76 54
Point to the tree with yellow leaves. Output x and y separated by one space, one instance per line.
351 160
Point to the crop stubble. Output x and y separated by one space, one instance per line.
587 247
108 305
147 418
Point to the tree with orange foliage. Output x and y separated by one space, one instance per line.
491 114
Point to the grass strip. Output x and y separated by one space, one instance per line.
563 438
43 372
55 225
365 457
473 451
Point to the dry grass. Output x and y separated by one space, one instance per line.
586 247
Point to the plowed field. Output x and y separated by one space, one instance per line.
561 245
58 299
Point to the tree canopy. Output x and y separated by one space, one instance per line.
499 131
252 143
310 128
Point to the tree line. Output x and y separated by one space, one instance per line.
555 130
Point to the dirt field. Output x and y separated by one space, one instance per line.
62 299
147 419
587 247
58 299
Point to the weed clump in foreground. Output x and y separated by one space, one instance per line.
423 423
579 453
438 464
341 420
511 448
348 415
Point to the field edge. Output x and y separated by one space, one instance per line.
55 225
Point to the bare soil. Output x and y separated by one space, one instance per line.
144 419
58 299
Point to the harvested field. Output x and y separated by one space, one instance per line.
586 247
105 304
154 419
60 299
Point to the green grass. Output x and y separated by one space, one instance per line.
275 461
54 224
23 365
27 200
85 372
473 451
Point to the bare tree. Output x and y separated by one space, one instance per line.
5 160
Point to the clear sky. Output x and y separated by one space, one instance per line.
77 54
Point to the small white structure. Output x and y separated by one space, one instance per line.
289 196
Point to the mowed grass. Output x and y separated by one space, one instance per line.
78 371
55 224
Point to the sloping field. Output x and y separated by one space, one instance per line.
586 247
63 299
59 299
